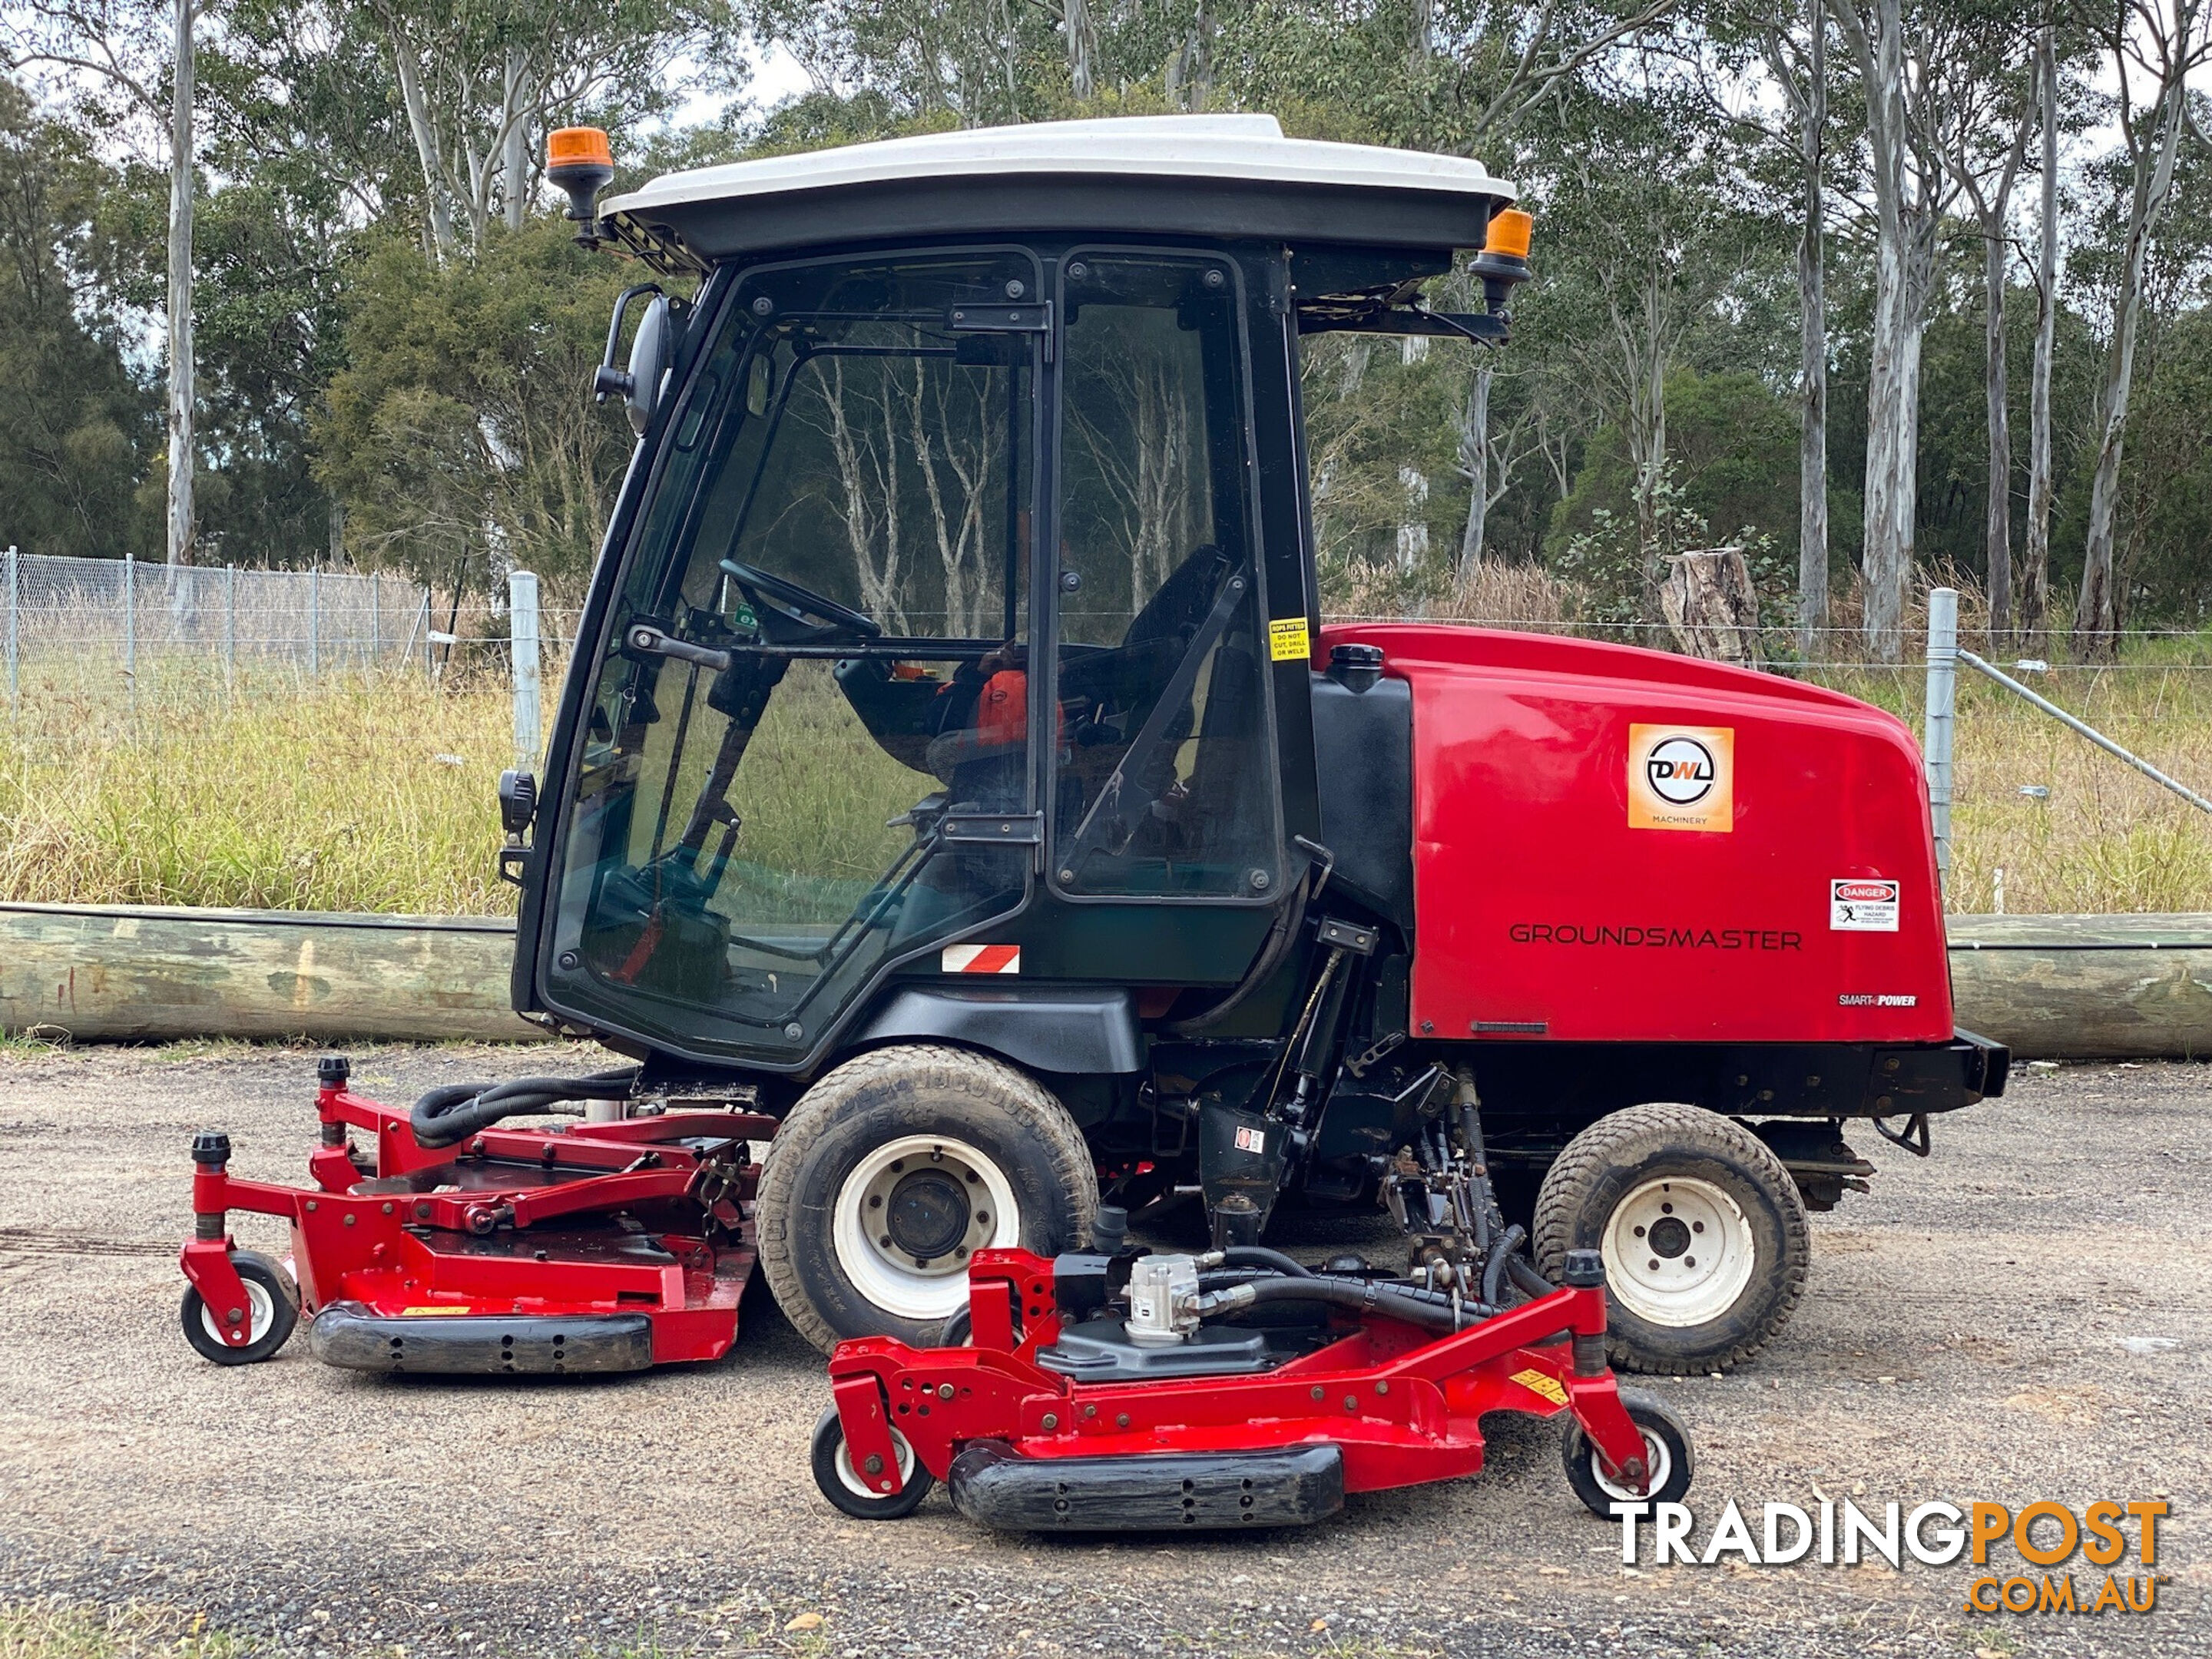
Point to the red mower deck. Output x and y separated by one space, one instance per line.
1379 1404
584 1247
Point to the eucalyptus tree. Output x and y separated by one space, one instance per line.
2153 48
477 77
1986 138
130 65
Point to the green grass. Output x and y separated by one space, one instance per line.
39 1631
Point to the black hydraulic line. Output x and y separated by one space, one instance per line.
1532 1282
458 1110
1494 1268
1428 1309
1259 1255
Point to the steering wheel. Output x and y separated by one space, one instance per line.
805 600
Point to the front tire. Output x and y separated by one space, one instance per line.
847 1488
894 1170
1703 1232
1667 1453
271 1313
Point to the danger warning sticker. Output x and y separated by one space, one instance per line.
1860 904
1682 777
1288 639
1542 1382
981 959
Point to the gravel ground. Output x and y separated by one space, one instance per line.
1964 1338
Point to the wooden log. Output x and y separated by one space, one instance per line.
106 973
2085 987
2048 987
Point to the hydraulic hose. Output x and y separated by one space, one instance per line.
1494 1270
458 1110
1426 1309
1259 1255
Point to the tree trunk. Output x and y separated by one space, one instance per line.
1813 321
1476 462
514 153
180 526
426 141
2097 613
2035 557
1711 604
1082 51
1893 381
1999 485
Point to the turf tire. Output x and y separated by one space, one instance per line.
879 1097
1619 1154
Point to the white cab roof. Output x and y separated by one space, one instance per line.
1249 149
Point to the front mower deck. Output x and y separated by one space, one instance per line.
585 1247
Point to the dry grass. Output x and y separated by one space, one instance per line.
344 793
2105 839
377 795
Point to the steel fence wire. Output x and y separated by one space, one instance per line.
144 615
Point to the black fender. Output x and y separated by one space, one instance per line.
1078 1029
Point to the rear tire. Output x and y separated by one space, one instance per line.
1703 1232
893 1169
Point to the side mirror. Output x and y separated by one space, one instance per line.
639 384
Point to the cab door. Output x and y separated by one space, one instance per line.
1164 786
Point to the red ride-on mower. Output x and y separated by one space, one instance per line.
458 1246
1116 1390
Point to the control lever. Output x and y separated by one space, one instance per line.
644 636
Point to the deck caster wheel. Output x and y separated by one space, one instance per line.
1703 1232
894 1170
272 1311
1666 1449
847 1488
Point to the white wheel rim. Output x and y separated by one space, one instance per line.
911 1193
261 1314
1678 1252
1657 1458
852 1480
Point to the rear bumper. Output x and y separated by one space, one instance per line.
351 1336
1907 1081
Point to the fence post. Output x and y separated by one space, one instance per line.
376 621
1942 705
314 621
230 626
130 625
15 562
522 639
429 653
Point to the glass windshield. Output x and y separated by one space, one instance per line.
819 657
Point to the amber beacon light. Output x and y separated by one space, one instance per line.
581 162
1503 264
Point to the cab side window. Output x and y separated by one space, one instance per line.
1165 783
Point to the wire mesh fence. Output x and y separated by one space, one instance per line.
143 617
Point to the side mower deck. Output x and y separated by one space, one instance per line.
1375 1403
585 1247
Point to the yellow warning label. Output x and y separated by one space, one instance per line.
1287 639
1542 1382
433 1313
